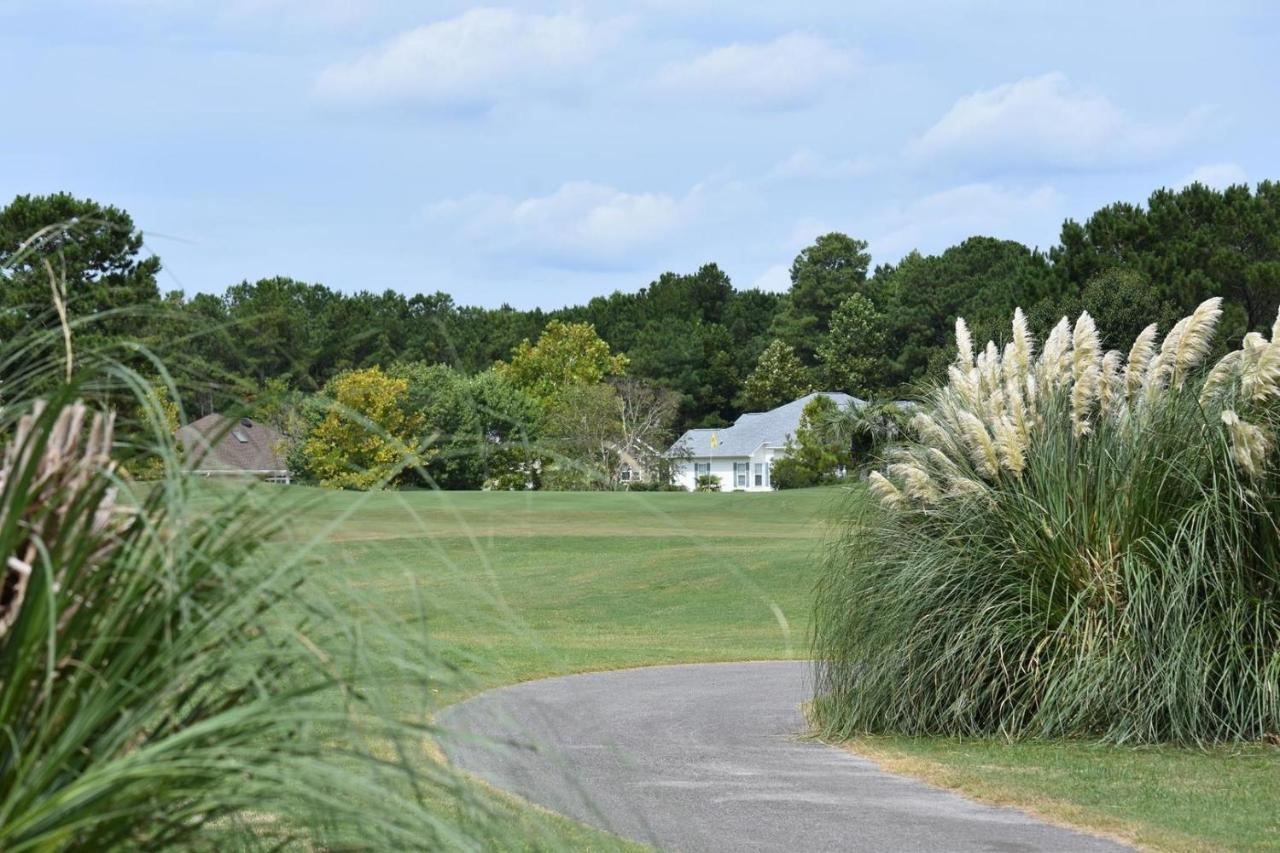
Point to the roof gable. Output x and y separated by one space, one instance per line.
217 443
755 429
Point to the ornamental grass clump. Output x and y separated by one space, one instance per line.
1076 543
169 679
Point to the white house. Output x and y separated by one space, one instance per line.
742 455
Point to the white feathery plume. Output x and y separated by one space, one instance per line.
1009 369
945 465
1249 444
982 450
1110 388
995 403
887 492
1161 370
931 433
1023 344
1222 375
1011 446
964 344
1032 396
965 486
1193 344
990 368
1017 409
965 384
1139 362
979 373
1260 368
1251 349
1275 329
1054 357
917 484
1085 347
1082 396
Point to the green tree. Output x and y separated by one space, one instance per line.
860 431
364 435
511 423
982 280
477 427
814 454
96 249
441 398
779 377
1191 244
566 355
585 434
823 276
852 358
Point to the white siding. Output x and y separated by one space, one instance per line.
722 467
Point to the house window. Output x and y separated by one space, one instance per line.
759 473
701 469
625 474
740 471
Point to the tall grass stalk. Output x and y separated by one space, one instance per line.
169 680
1075 544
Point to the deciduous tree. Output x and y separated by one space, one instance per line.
364 436
567 355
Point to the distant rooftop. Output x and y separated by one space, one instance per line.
754 429
216 443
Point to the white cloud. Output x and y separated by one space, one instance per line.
581 224
776 279
472 60
793 70
1045 121
939 220
808 164
1216 175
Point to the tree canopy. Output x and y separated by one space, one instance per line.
710 350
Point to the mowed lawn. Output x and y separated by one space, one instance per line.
514 586
523 585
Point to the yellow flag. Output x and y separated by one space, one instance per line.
715 440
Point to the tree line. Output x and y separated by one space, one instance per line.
698 349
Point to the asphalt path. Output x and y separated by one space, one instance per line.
713 757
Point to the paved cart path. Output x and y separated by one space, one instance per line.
709 757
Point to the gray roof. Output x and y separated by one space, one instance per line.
754 429
217 444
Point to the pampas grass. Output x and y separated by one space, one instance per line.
168 678
1096 553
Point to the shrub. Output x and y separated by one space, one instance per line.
707 483
653 486
1075 544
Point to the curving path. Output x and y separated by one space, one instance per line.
708 757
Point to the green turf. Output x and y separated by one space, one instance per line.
1168 798
523 585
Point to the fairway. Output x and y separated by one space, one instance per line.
522 585
517 586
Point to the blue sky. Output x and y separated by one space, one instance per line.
544 153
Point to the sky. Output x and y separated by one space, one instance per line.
539 154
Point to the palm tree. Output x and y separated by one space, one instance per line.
864 427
